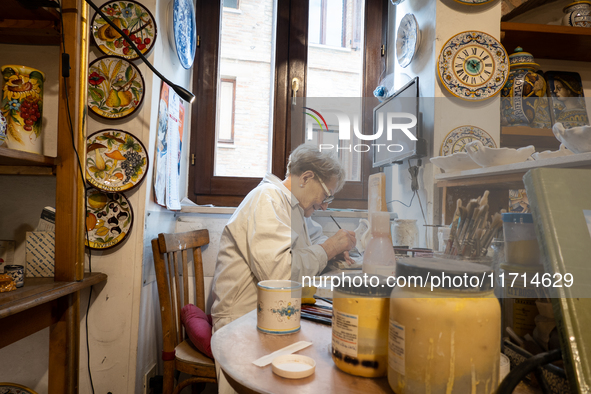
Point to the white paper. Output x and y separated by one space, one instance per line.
268 359
174 144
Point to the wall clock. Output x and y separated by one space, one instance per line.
407 40
473 66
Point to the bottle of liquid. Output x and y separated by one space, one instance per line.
379 258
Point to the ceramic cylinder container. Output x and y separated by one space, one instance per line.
22 105
17 272
577 14
279 306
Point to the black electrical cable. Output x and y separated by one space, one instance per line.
65 76
409 204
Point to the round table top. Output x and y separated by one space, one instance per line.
238 344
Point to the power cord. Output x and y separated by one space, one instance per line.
66 75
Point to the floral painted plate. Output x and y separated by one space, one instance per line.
135 21
183 30
13 388
115 161
473 66
408 38
115 87
2 129
456 140
109 219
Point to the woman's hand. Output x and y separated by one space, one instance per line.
342 241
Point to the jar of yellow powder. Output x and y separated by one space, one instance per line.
360 325
445 328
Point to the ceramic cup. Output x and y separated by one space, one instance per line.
17 272
279 306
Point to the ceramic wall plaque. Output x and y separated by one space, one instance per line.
134 19
115 160
567 98
577 14
109 219
13 388
22 106
182 31
524 101
455 141
473 66
115 87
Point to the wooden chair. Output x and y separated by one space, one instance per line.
179 354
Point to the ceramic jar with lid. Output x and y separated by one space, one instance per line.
446 339
524 101
360 325
577 14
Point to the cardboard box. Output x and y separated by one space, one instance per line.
40 254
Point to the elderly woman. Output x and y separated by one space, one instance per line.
271 235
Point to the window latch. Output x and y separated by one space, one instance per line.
192 159
295 86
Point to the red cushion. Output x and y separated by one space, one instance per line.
198 328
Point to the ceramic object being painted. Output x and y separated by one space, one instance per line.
524 101
567 98
459 161
22 106
577 14
488 157
576 139
547 154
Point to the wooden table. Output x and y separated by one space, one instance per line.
238 344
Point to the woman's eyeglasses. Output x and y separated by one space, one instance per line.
329 197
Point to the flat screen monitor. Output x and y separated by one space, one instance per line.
394 118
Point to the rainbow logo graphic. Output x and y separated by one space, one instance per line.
315 118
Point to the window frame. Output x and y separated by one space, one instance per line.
290 62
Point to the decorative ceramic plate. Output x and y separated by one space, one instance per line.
115 161
115 87
183 30
109 218
473 66
456 140
13 388
134 19
474 2
3 124
408 38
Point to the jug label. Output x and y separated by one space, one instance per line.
396 347
345 330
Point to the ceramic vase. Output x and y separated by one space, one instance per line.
523 98
577 14
22 106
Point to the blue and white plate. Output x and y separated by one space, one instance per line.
408 38
2 129
183 30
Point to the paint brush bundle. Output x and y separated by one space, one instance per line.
471 229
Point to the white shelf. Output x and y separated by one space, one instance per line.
496 174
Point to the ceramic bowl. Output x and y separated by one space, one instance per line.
279 304
548 154
576 139
458 161
488 157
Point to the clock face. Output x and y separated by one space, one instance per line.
473 66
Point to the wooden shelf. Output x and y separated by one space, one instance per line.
37 291
547 41
518 136
11 157
509 175
19 25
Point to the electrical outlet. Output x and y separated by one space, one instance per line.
152 371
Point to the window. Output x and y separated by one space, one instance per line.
226 110
265 46
231 4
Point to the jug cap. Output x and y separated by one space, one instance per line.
513 217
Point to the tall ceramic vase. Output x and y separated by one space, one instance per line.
22 106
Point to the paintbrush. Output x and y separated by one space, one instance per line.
469 215
316 319
477 218
454 227
496 224
335 222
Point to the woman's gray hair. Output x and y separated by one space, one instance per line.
324 164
